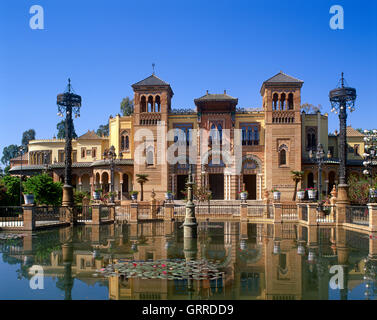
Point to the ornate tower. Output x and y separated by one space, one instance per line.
152 103
281 103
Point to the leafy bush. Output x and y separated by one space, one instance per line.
12 191
79 195
45 190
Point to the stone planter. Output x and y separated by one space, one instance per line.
312 194
243 195
29 198
96 195
277 195
300 195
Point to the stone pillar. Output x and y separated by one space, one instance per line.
169 211
312 214
243 212
28 215
333 199
277 212
154 209
134 212
341 204
299 211
96 214
372 216
266 202
111 211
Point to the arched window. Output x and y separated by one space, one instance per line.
124 141
244 140
256 136
283 157
150 157
250 136
290 101
220 133
282 102
143 104
275 101
157 104
150 104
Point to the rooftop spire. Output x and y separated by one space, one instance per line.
153 65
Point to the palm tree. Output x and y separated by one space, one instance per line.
141 179
297 176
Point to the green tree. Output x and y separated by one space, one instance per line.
141 179
103 130
12 185
127 106
27 136
297 177
61 130
9 153
3 193
44 189
310 108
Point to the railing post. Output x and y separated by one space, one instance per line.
134 212
96 214
312 214
28 216
278 210
111 211
169 211
153 209
341 210
372 207
243 212
299 211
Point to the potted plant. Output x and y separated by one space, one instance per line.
312 193
97 194
301 194
134 195
373 193
277 194
243 195
28 197
168 195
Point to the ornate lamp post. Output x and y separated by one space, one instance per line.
341 99
111 155
68 103
190 224
370 156
319 159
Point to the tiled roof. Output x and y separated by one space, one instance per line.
281 77
24 157
117 162
216 97
151 81
351 132
90 135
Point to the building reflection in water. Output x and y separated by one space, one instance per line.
270 261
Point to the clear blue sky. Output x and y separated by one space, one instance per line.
105 46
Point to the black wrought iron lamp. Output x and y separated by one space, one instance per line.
342 98
68 104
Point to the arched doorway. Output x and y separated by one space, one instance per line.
125 188
105 182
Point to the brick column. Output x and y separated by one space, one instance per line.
169 211
243 211
96 214
312 214
134 212
266 202
153 209
372 216
277 212
28 215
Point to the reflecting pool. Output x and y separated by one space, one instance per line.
152 260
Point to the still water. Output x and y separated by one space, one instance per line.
152 260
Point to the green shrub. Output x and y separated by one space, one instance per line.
12 191
45 190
